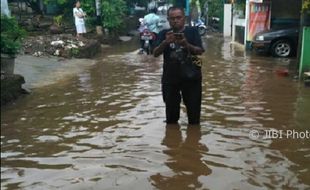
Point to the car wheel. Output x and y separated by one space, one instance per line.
281 48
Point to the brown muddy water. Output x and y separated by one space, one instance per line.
104 128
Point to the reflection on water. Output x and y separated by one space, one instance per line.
104 129
185 160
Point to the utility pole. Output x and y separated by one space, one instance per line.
98 15
188 12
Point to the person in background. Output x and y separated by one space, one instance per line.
79 18
152 22
151 5
175 44
205 12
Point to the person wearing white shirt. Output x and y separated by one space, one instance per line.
79 16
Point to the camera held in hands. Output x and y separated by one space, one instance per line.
178 36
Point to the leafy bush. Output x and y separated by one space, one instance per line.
89 7
11 35
214 6
75 51
58 20
113 13
306 6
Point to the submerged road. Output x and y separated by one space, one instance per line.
104 129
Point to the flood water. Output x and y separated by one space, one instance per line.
104 128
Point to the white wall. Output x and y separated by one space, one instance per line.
5 8
227 20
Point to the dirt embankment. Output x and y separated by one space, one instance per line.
62 45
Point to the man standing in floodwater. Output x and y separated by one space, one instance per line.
173 42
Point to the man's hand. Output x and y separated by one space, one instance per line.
181 41
170 38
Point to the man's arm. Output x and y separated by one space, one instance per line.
196 47
164 40
195 50
77 13
160 48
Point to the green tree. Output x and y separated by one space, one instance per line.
113 12
34 5
306 6
11 35
214 7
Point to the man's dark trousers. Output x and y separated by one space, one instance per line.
190 91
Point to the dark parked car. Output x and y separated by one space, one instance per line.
280 43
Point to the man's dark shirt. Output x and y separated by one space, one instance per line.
173 56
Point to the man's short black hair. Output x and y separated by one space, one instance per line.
173 8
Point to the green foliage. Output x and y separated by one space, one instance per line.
58 20
11 35
75 51
89 7
139 2
60 2
113 13
193 2
239 8
66 7
90 22
214 7
306 6
240 5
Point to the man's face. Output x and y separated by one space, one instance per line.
176 19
